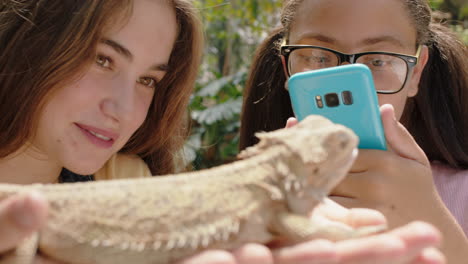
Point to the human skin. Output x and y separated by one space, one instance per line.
338 25
375 249
110 98
407 242
413 243
397 182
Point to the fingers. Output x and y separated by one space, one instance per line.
419 236
247 254
360 217
291 122
375 249
19 217
407 244
354 217
210 257
430 256
315 251
410 244
44 260
253 254
399 142
399 139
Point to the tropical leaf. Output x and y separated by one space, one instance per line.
215 86
219 112
191 146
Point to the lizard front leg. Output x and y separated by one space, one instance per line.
300 228
24 253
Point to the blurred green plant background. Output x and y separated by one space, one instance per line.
233 30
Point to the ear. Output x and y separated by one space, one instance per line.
415 77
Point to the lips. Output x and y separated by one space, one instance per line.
99 137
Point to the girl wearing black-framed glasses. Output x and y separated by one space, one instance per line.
428 96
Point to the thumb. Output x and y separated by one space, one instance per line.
292 121
399 140
20 216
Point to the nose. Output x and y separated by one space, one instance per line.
118 102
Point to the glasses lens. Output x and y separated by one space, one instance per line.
307 59
389 72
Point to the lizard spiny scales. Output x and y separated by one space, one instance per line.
162 219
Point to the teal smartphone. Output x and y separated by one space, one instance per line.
345 95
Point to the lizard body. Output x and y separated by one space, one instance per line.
162 219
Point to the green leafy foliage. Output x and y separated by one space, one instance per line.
215 112
233 30
435 4
462 31
454 13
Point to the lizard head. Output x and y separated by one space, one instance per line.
318 153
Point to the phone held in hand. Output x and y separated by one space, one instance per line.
345 95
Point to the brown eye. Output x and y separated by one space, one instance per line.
147 81
378 63
103 61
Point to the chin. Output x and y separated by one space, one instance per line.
83 168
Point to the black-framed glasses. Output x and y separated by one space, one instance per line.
390 71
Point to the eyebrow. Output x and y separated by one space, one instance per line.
387 38
318 37
367 41
119 48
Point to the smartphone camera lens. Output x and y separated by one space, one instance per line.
332 100
347 97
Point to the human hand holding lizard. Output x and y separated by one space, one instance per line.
281 255
20 216
399 183
412 243
408 240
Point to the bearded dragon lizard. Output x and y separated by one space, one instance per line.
158 220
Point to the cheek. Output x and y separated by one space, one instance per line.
398 101
64 106
142 106
47 128
56 119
